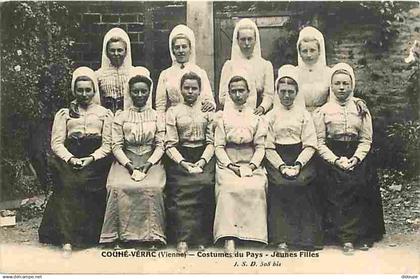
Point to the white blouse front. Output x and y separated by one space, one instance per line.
346 122
138 132
94 120
241 127
290 126
189 126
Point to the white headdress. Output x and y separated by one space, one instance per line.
182 31
86 72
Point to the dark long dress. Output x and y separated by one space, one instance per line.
75 211
293 208
190 199
353 205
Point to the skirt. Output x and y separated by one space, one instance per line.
353 205
294 214
75 211
241 207
135 210
190 200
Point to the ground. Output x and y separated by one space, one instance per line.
397 253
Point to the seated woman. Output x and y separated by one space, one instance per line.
135 210
182 50
241 209
344 130
81 142
293 211
115 68
190 184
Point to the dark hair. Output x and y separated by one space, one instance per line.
310 39
246 27
342 71
191 75
180 36
288 80
114 40
139 78
83 78
236 79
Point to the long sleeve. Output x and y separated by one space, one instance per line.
220 143
172 138
309 140
270 149
259 143
118 139
321 132
365 137
223 85
268 94
209 150
106 146
161 98
58 135
206 89
158 141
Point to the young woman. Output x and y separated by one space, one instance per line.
294 218
135 210
246 55
81 142
241 208
190 184
313 72
115 68
344 131
182 49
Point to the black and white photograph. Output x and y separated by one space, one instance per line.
210 137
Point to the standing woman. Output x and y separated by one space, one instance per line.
190 184
246 54
344 130
241 208
135 210
313 72
115 68
182 50
294 218
81 142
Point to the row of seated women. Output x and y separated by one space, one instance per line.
283 163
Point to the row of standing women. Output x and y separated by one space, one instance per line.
246 173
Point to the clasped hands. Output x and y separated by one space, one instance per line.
290 171
80 163
242 171
346 164
138 173
196 167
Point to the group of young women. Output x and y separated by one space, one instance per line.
284 162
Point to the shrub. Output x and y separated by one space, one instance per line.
36 42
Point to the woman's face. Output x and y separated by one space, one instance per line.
182 50
246 41
116 53
84 91
190 90
287 94
309 51
139 92
238 92
341 86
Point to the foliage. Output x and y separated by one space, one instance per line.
405 145
35 71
